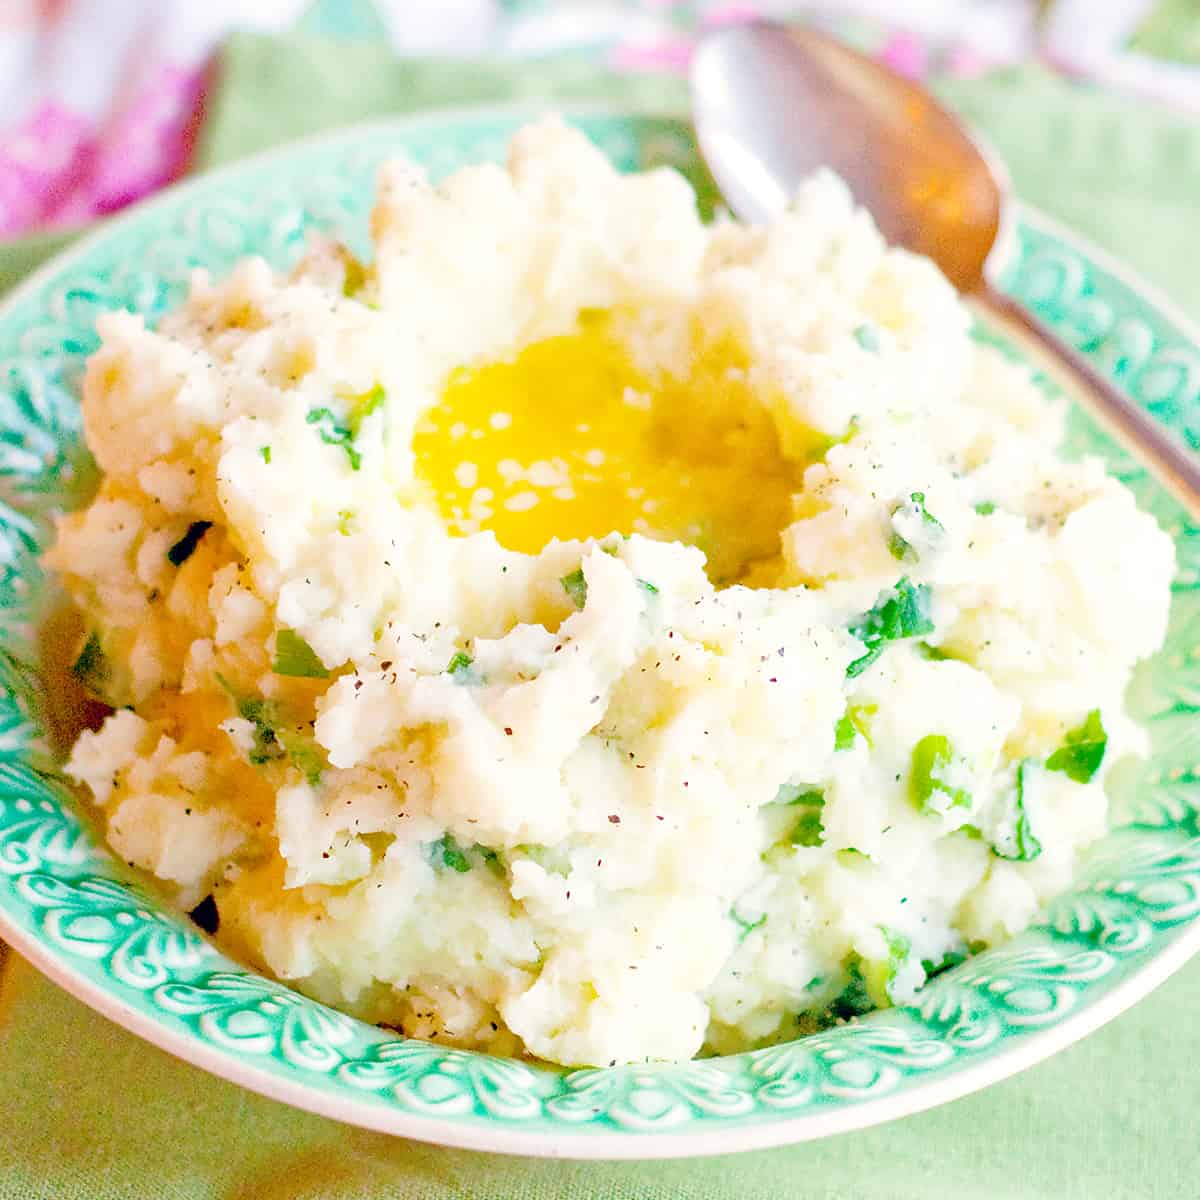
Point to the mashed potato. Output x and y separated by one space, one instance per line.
589 633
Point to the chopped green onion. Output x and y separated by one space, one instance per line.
853 1000
446 853
1082 751
91 667
880 977
1023 846
848 435
900 612
917 499
575 585
985 508
265 454
263 716
844 733
364 406
808 830
901 548
459 664
852 724
898 545
334 434
295 657
491 860
646 585
304 754
746 928
949 960
273 740
183 549
930 790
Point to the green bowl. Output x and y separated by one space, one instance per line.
98 929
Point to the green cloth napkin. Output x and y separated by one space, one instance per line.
89 1111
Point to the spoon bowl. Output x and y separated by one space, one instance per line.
772 103
930 185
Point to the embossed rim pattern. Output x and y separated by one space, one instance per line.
87 922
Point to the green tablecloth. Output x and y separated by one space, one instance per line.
89 1111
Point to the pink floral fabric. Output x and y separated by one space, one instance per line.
99 98
59 168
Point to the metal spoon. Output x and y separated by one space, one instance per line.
771 104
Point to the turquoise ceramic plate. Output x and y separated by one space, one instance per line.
91 925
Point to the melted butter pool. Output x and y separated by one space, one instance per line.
570 440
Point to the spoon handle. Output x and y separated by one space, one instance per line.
1172 464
